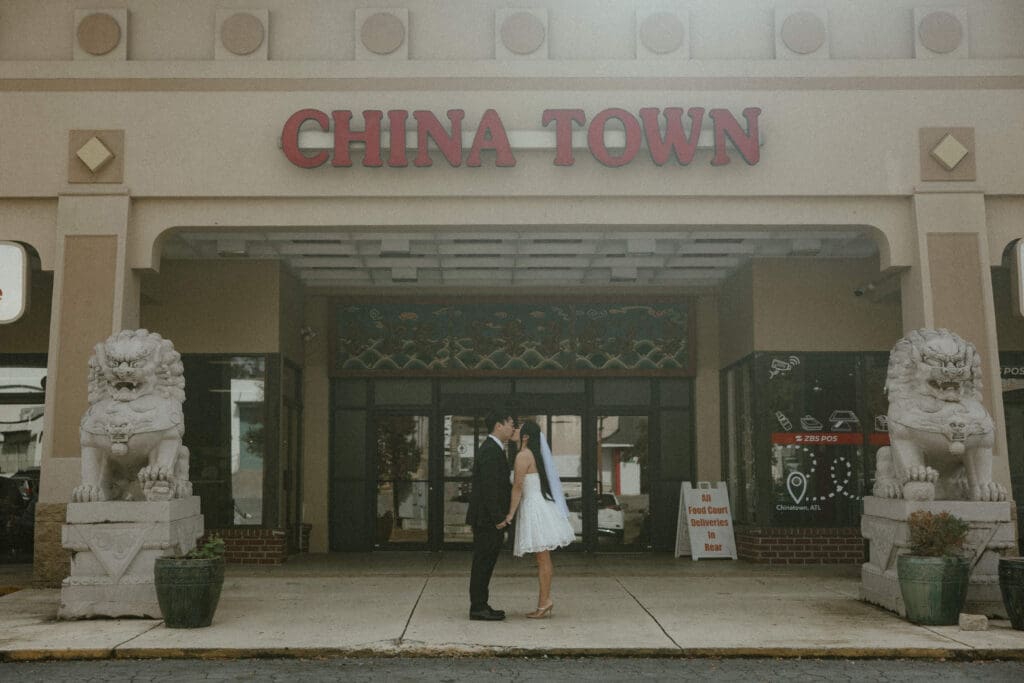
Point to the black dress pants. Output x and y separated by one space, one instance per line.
486 547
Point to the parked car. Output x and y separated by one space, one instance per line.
610 518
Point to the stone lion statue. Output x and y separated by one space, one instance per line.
131 433
940 435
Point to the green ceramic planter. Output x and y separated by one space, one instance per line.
934 588
1011 585
188 590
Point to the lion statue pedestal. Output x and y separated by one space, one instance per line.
135 502
939 458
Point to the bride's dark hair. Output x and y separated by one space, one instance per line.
531 430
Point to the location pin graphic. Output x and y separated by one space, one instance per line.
796 484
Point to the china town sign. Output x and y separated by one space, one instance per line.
614 137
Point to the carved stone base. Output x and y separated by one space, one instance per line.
884 525
113 547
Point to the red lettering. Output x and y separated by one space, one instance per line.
396 122
427 126
595 137
675 137
746 143
490 134
563 118
290 138
344 136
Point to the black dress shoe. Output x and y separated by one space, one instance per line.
499 612
485 615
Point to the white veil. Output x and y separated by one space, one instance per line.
554 481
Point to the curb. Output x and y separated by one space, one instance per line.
396 651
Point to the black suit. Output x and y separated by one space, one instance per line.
488 505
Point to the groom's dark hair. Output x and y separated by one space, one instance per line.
497 414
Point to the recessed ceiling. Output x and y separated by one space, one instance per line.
696 258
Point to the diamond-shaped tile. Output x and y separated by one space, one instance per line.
949 152
94 154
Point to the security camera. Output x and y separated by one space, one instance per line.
861 290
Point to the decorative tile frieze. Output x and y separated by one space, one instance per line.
801 33
940 33
101 34
242 34
662 35
521 34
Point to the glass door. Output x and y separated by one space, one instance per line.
620 507
402 449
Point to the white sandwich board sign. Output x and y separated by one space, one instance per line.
704 528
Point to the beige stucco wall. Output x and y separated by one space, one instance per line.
736 316
806 304
215 307
579 29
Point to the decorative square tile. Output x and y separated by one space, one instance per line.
96 156
947 154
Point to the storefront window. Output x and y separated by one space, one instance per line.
22 394
817 420
229 437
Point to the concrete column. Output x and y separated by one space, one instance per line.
950 285
95 294
707 406
316 417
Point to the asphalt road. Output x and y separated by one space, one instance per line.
513 669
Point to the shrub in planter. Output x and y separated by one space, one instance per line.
1011 585
935 575
188 588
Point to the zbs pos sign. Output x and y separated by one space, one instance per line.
13 281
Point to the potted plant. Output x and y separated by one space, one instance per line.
934 576
188 588
1011 585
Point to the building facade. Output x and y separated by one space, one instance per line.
681 235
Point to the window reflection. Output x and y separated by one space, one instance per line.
622 488
402 473
227 436
21 417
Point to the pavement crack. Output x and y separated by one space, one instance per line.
423 589
644 608
115 648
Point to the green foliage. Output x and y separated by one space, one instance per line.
936 535
212 549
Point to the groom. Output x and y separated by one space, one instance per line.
488 505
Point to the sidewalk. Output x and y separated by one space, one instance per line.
415 604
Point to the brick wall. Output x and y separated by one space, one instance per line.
252 545
789 545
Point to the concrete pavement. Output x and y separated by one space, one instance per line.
415 604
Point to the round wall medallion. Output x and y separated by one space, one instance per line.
803 32
382 33
940 32
98 34
662 33
241 34
522 33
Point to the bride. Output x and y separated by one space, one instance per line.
543 523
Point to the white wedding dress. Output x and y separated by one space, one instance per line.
539 524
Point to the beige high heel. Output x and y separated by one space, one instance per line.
541 612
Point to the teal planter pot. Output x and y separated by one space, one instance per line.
188 590
934 588
1011 585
